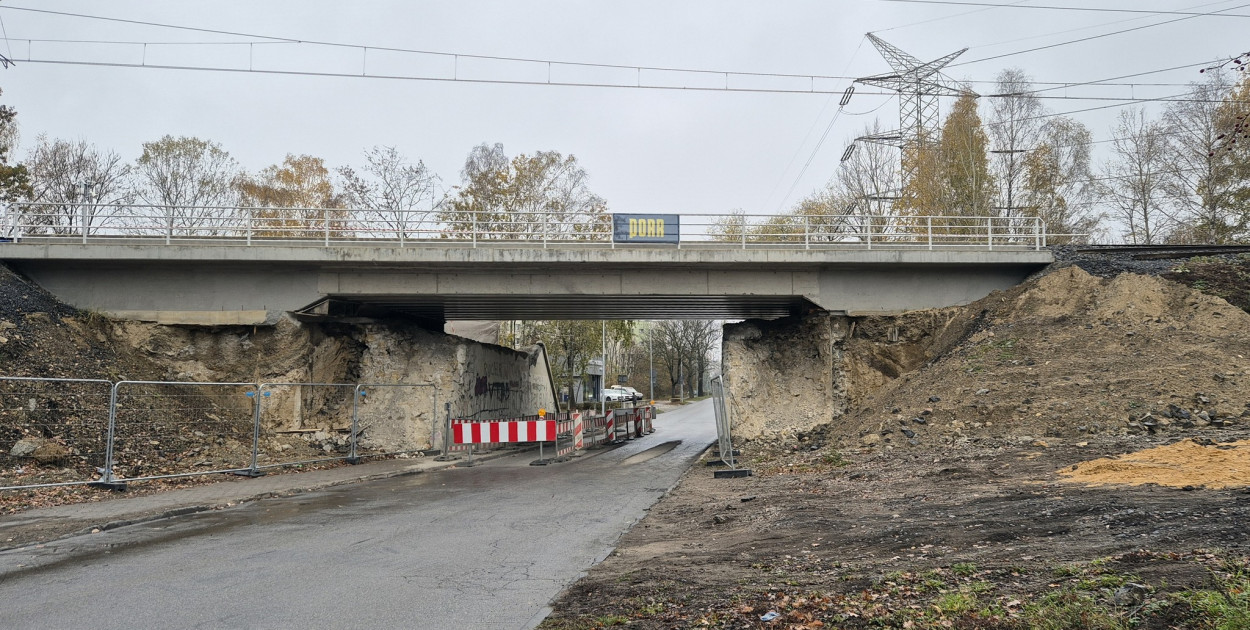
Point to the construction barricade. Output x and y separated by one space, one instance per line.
104 433
563 433
60 429
628 424
468 434
163 429
598 430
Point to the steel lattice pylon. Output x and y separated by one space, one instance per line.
919 84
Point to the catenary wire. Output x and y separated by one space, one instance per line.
728 89
1085 39
1019 5
812 128
1056 85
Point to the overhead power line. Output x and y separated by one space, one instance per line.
276 39
439 53
552 83
1016 5
1055 85
727 74
1093 37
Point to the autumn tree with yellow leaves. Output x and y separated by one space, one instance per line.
294 199
950 174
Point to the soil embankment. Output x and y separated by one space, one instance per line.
1066 454
54 432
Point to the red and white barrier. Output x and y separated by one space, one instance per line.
503 431
578 431
569 431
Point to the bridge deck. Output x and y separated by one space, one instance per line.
209 282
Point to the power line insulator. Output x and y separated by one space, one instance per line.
846 96
846 155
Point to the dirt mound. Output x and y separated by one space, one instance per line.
1062 355
40 336
1188 464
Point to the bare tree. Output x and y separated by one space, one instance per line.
1059 185
867 181
1136 177
704 339
1202 181
192 182
684 348
76 185
397 197
1014 127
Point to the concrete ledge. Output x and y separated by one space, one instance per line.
196 318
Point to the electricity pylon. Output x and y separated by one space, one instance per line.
919 84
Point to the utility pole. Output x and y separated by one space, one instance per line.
651 359
603 340
82 209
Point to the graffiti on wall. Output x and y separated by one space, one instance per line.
494 390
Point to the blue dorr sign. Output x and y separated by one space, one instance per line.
646 228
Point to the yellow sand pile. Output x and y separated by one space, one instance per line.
1187 463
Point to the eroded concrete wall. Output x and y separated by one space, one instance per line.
785 374
799 372
407 372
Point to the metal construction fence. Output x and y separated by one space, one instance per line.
240 225
724 437
54 429
62 432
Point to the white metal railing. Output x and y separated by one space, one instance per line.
94 223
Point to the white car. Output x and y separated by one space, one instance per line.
621 394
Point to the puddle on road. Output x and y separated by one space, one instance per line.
651 453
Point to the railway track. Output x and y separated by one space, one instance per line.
1163 252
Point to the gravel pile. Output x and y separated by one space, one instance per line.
1108 264
19 296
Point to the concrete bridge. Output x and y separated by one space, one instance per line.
230 283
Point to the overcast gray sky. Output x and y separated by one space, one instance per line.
646 150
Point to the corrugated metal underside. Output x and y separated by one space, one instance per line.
647 307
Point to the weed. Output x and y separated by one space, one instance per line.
981 587
1225 608
964 569
955 603
835 459
651 609
1006 349
1066 571
1070 608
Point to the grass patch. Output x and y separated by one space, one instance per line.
1071 608
964 569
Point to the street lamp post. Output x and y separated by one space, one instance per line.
603 340
651 359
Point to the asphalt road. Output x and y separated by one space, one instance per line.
482 547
